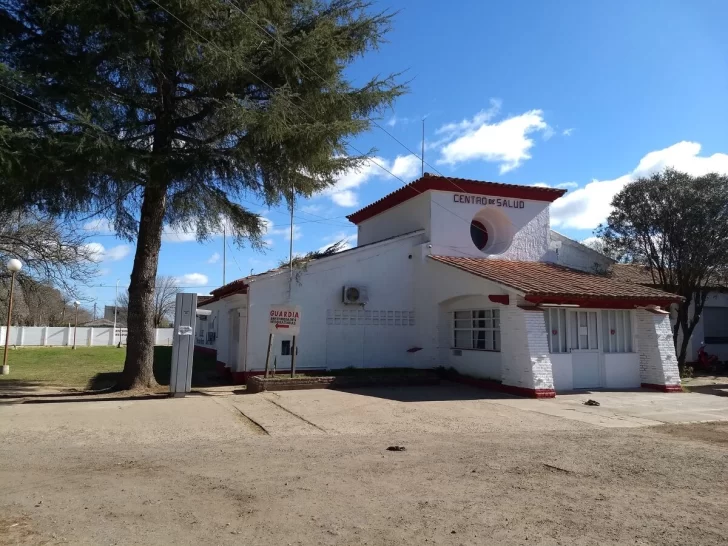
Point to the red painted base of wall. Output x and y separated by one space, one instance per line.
662 388
500 387
241 378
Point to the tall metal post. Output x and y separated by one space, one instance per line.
7 329
293 358
267 355
224 252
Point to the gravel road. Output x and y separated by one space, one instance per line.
198 471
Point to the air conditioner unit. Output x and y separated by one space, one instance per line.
356 295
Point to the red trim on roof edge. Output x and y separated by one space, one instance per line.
502 299
462 185
602 303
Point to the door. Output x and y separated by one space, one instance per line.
584 348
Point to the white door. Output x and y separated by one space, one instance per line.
584 347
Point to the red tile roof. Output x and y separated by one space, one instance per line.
543 282
462 185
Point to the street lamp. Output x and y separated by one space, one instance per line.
76 303
13 266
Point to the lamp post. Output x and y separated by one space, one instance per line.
13 266
75 327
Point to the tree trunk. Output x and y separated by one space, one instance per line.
138 367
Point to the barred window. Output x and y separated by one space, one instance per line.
556 329
477 330
617 331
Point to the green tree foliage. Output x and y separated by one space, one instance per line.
677 226
171 112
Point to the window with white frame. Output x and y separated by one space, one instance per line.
617 331
556 329
477 330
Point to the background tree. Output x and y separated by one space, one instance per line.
677 226
169 112
56 260
165 298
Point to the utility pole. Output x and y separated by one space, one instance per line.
422 155
94 310
224 252
290 246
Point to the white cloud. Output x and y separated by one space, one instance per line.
406 166
567 132
192 279
481 118
505 142
391 122
99 225
117 253
345 198
349 240
214 258
96 252
589 206
548 133
269 228
562 185
343 192
179 234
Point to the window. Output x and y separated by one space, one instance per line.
478 330
617 331
478 234
715 324
556 329
286 347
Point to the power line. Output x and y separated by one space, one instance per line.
346 97
210 42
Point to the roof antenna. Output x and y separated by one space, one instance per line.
422 156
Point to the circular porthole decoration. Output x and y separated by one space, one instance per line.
491 231
479 234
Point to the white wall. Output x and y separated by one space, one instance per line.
409 216
475 363
450 227
714 299
621 370
30 336
385 269
577 256
563 371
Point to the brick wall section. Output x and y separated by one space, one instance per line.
658 363
525 350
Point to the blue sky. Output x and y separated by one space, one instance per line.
582 95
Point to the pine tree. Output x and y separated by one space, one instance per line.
171 112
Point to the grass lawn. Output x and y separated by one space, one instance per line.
89 367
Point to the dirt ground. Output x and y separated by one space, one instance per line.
313 468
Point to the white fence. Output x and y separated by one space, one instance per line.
40 336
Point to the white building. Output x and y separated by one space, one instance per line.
462 274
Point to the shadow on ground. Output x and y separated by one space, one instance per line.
444 392
715 390
204 373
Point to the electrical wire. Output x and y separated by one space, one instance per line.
210 42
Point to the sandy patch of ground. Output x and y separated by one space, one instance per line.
199 470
